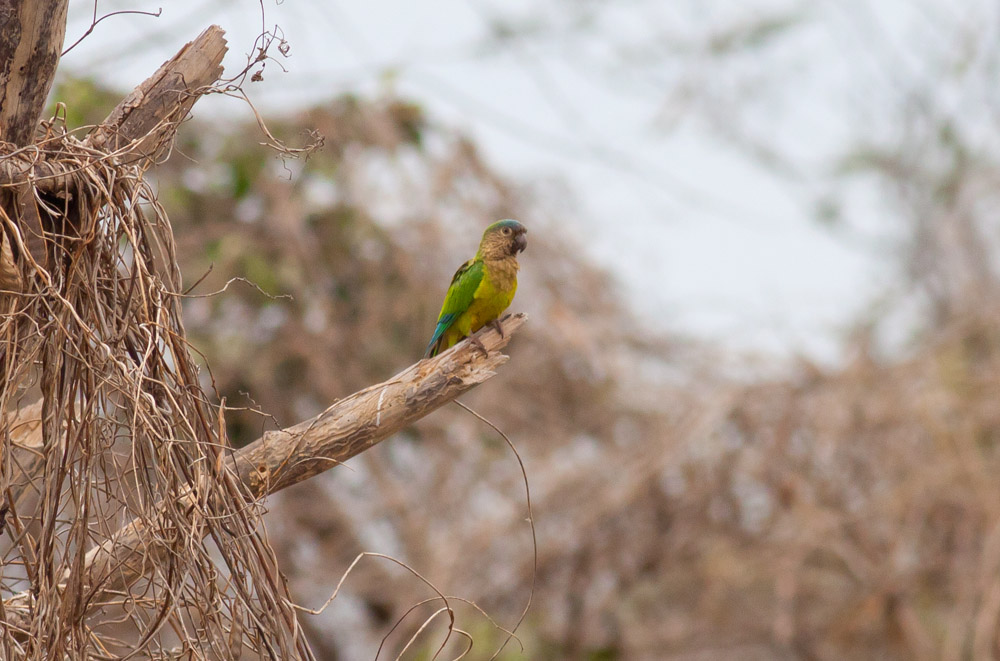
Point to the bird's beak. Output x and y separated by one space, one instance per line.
520 242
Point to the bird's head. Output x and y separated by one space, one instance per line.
504 238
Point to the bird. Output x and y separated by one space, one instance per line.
482 288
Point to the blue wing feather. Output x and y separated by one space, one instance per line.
444 323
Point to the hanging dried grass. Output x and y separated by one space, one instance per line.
125 434
121 434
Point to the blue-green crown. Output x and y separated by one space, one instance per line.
506 222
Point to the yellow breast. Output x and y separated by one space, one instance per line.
492 297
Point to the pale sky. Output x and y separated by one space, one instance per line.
704 238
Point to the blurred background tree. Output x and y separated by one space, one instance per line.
690 502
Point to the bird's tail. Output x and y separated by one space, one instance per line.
434 346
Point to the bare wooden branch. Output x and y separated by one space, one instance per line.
31 39
148 117
283 458
23 167
140 128
352 425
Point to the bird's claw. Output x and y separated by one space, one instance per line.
477 343
495 325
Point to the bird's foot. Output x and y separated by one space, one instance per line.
495 325
476 342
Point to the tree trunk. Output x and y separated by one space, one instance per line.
31 39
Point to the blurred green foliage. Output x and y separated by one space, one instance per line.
87 103
841 512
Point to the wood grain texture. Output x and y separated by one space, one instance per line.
31 39
145 121
282 458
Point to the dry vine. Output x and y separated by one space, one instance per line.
131 526
125 430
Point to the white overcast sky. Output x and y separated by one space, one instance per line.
704 238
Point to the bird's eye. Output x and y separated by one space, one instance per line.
506 230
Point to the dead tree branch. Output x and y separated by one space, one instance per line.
352 425
283 458
141 125
136 132
147 119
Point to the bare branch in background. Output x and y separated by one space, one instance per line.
95 20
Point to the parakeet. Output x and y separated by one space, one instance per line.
482 288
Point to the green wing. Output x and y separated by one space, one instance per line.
457 300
